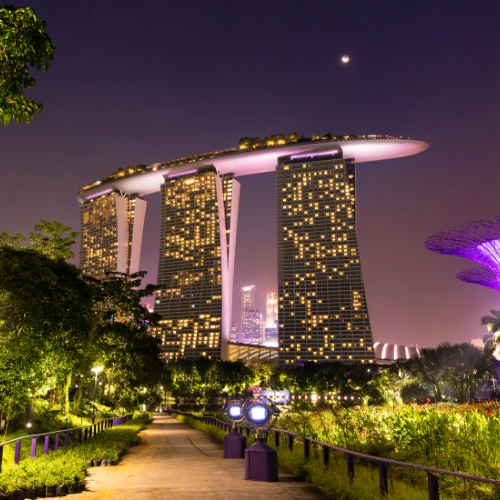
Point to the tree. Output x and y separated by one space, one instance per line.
129 355
466 367
50 240
23 42
45 319
492 322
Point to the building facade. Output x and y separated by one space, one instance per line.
197 241
323 314
111 234
322 307
271 310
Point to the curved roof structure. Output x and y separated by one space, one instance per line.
392 352
477 241
149 179
480 276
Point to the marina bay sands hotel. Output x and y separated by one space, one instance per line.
323 313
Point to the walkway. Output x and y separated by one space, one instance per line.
176 462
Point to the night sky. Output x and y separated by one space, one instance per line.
144 82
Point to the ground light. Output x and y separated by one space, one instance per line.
261 461
234 442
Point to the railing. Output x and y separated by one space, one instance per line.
383 463
84 433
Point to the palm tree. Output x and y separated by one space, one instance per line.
492 322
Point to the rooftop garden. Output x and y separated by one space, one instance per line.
245 143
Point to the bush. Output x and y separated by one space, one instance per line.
67 466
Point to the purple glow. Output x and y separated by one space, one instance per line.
491 250
96 195
180 174
477 241
313 155
481 276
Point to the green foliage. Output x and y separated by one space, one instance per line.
492 322
332 480
55 325
23 42
67 466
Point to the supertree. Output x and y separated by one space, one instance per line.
477 241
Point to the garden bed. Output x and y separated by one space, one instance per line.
63 471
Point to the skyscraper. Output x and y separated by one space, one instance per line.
322 305
111 234
271 310
197 240
323 315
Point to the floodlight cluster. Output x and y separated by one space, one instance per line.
477 241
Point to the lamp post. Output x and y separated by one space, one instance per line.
96 370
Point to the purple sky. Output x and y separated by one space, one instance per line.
147 82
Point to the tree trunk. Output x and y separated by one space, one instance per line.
67 385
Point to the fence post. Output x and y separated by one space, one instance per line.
306 448
56 444
433 483
350 465
33 448
277 439
73 436
382 476
46 445
290 442
66 439
326 455
17 452
1 457
86 434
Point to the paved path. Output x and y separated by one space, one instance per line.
176 462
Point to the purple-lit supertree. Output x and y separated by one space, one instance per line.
478 241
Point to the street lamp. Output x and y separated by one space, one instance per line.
96 370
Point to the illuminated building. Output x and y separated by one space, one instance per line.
393 352
271 335
477 241
196 264
198 235
253 354
111 234
271 310
252 327
323 315
233 337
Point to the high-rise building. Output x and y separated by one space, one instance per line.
233 337
197 240
271 336
323 315
322 306
271 310
111 234
252 324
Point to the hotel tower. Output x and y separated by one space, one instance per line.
322 306
111 234
197 241
323 314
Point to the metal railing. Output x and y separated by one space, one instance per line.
77 433
383 463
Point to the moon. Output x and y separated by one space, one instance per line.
345 59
